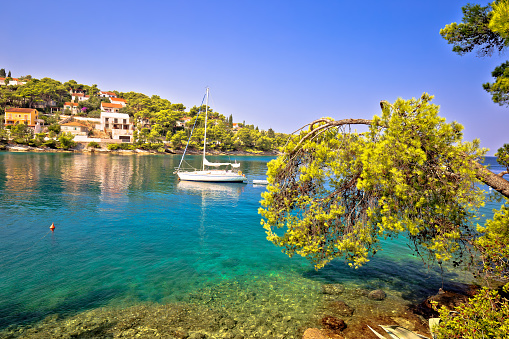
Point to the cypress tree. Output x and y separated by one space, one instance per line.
9 74
2 73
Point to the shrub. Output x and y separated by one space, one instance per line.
20 141
93 144
51 143
113 147
485 315
66 140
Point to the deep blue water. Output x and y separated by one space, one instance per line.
127 232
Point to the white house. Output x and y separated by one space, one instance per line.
13 81
119 101
72 106
80 96
103 94
182 122
110 108
117 124
74 128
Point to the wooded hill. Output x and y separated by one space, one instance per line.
155 119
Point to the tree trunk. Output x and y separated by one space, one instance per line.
493 180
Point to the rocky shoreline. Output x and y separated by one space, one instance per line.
81 148
343 313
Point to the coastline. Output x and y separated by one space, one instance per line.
81 148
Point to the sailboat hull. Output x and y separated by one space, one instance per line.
212 176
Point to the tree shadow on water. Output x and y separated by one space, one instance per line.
412 279
16 314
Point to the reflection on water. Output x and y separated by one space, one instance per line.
211 189
134 240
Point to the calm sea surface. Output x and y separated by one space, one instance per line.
128 233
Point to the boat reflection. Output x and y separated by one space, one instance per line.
211 189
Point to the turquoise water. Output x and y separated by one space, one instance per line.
128 233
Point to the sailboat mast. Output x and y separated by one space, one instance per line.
205 134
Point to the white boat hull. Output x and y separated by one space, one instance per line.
212 176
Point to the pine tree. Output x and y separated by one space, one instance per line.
2 73
9 74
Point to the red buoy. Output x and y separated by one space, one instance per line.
52 227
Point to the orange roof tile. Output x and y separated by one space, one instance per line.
71 104
74 123
20 110
118 99
105 104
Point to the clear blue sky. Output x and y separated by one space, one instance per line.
278 64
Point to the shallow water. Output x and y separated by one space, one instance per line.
128 234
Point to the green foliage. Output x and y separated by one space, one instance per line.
336 194
503 156
499 89
493 245
21 133
121 146
499 22
92 106
55 128
51 143
113 147
2 73
66 140
178 139
93 144
39 139
486 315
473 32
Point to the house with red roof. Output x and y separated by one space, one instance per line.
12 81
182 122
75 128
110 108
119 101
79 96
72 106
104 94
27 116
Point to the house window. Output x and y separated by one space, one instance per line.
116 120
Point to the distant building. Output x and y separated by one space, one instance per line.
119 101
103 94
12 81
117 124
110 108
182 122
75 128
27 116
79 96
72 106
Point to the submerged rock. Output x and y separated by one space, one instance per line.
340 308
314 333
359 292
332 323
377 295
333 289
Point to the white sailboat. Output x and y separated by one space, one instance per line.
210 175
